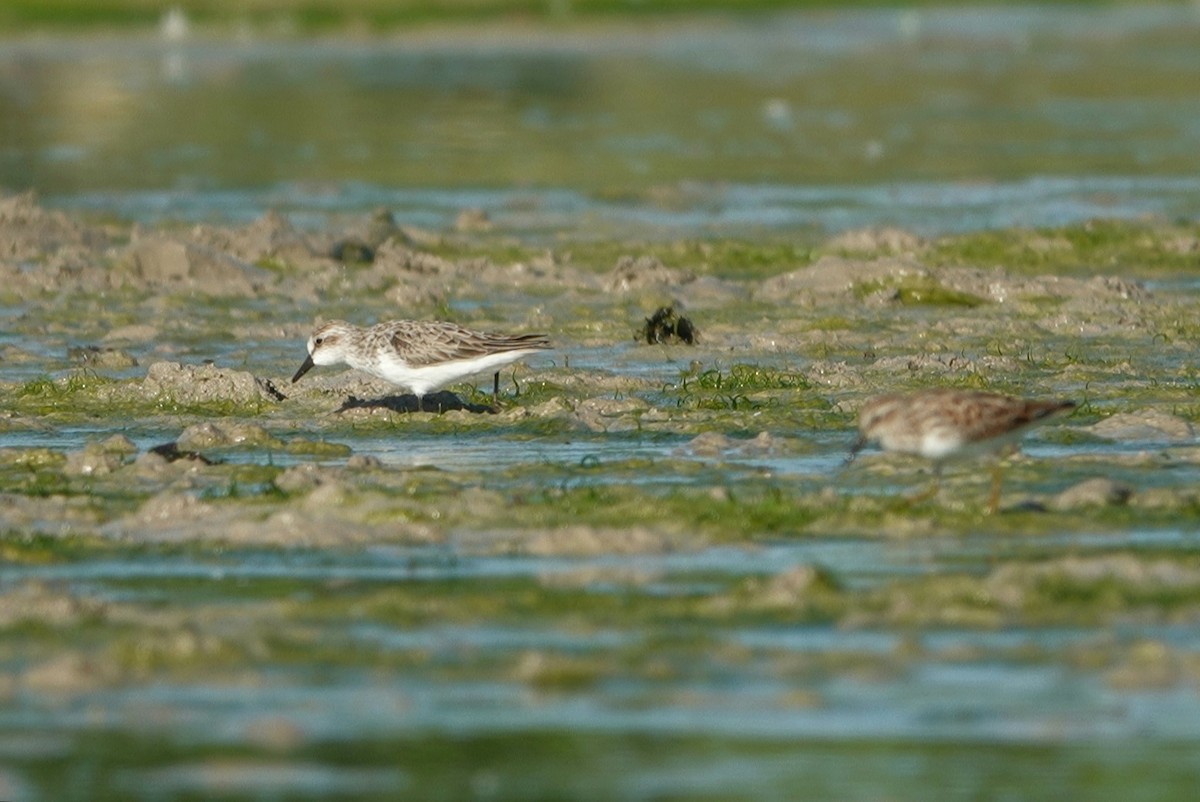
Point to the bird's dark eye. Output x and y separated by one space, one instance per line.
318 340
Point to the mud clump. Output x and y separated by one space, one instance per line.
306 477
1125 576
609 415
641 272
225 434
269 239
133 333
590 540
360 243
160 262
790 589
37 602
28 232
1097 492
875 241
835 277
882 279
104 358
715 444
1149 425
98 459
203 384
69 674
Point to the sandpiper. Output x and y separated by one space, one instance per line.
420 356
944 425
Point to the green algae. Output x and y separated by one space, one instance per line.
933 295
1101 246
698 514
84 395
1098 246
375 15
26 548
919 292
45 393
549 761
741 377
324 449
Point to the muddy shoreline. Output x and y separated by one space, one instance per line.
151 446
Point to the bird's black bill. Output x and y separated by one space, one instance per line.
856 447
305 368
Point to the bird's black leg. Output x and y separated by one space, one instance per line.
856 447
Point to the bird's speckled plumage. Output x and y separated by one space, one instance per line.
420 356
941 425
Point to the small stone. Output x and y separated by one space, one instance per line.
276 734
352 251
712 444
171 507
150 464
93 460
363 462
118 444
225 435
874 241
46 605
69 673
791 587
635 273
1148 664
307 476
707 444
94 356
469 220
583 540
1097 492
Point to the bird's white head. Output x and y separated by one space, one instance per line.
326 346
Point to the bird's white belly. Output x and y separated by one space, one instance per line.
425 378
951 445
938 445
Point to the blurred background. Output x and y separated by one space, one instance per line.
652 113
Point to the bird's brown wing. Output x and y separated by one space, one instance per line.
422 344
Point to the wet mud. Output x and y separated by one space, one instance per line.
158 469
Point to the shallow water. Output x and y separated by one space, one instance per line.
737 718
714 209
